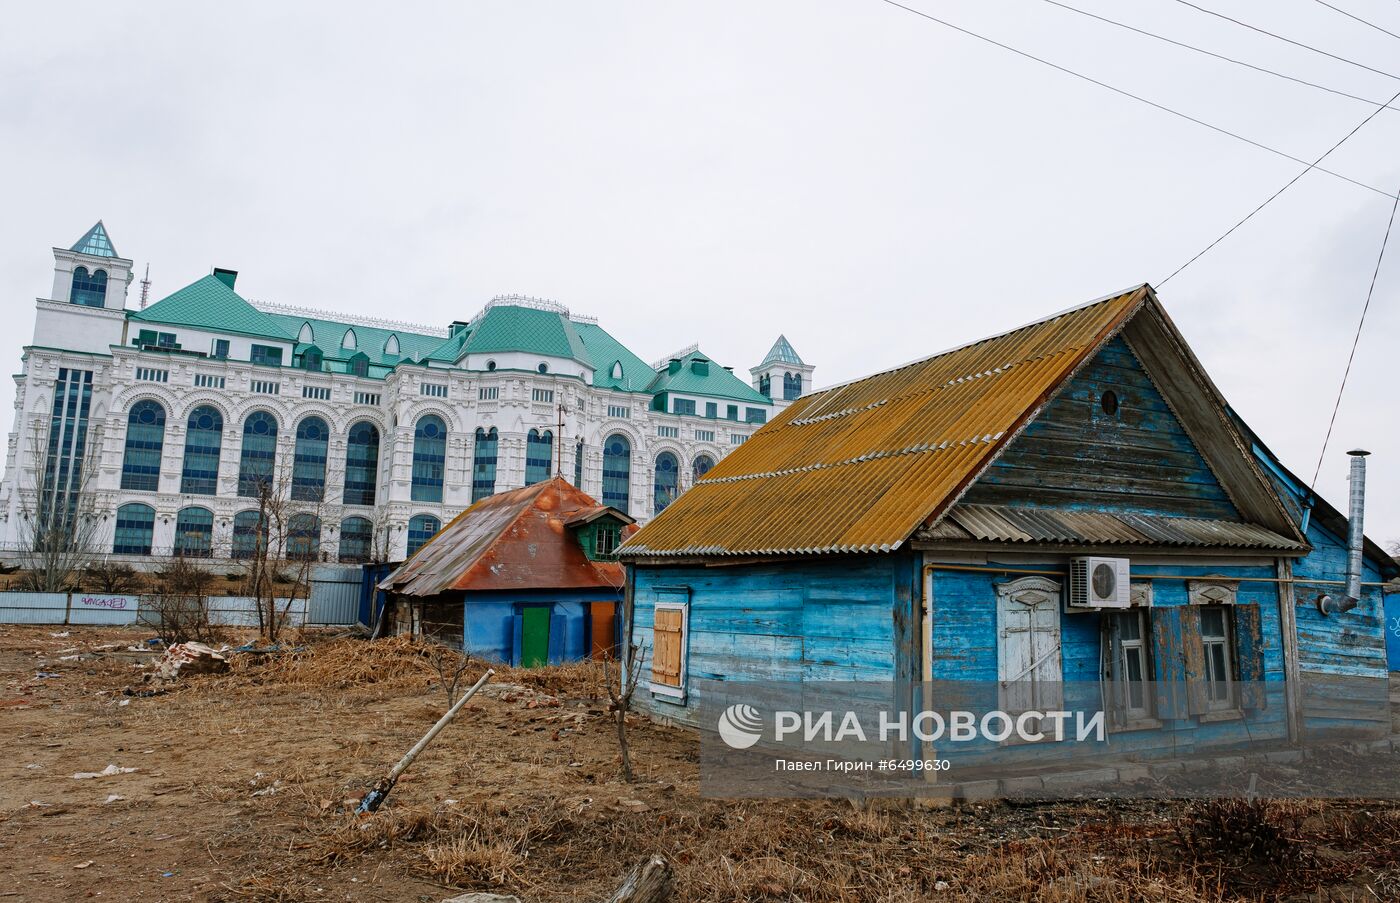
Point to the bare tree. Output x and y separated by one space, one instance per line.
179 598
285 545
620 680
60 528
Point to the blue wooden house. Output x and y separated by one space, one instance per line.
525 577
1068 501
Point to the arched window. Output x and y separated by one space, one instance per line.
765 385
249 534
421 528
429 458
702 465
617 370
484 464
304 537
792 386
259 453
135 524
539 456
356 539
145 437
668 482
194 532
543 367
204 439
359 365
578 464
89 289
617 471
307 334
361 464
391 346
309 461
349 342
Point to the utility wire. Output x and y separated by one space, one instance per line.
1140 99
1211 53
1354 342
1288 185
1342 59
1357 18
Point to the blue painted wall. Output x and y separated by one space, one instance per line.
488 626
964 613
817 619
1392 631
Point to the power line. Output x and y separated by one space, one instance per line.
1211 53
1287 185
1355 341
1342 59
1140 99
1357 18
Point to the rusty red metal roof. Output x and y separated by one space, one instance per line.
517 540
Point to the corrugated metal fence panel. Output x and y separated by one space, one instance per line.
33 608
335 595
98 608
241 611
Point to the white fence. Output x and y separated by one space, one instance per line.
98 608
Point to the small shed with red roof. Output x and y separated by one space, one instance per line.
525 577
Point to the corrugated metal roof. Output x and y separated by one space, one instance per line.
858 467
512 541
995 523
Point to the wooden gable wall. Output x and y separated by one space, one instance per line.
1076 455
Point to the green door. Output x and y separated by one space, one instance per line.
534 636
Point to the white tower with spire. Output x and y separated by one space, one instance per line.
85 310
782 376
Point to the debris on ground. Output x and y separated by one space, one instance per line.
190 658
107 772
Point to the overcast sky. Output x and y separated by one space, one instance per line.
873 185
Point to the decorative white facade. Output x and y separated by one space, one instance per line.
138 395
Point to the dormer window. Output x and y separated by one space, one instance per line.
617 370
391 346
349 342
312 360
307 334
359 365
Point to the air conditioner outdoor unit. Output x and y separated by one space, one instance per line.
1099 583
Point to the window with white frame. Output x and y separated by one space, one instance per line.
433 390
704 435
668 432
738 439
488 393
266 387
367 398
1219 663
318 393
208 381
670 643
152 375
542 395
619 411
1129 665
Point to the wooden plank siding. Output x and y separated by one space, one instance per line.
1075 455
829 619
964 648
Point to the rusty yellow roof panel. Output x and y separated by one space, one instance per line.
860 466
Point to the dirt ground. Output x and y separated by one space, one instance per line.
243 786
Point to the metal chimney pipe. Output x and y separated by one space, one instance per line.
1356 535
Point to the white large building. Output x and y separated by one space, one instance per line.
382 429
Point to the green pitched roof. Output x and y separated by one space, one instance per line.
717 383
95 242
210 304
328 334
505 327
605 351
782 352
